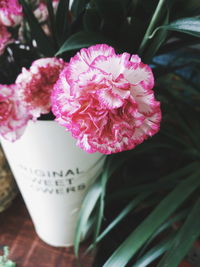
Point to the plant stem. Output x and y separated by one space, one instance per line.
151 27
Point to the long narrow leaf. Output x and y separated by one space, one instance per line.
181 215
104 180
120 217
52 20
86 210
166 180
61 20
43 42
186 236
142 233
155 252
78 6
186 25
157 41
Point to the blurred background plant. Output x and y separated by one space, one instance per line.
145 207
4 259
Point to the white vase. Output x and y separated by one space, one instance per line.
53 175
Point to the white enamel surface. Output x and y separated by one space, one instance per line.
53 175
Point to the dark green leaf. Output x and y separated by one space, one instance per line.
91 20
62 24
142 233
121 216
52 20
154 252
177 218
186 25
112 13
43 42
157 41
78 7
80 40
185 238
85 212
104 180
166 181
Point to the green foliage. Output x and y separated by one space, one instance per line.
4 261
62 21
168 191
80 40
43 43
186 25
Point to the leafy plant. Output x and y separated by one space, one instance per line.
147 204
4 260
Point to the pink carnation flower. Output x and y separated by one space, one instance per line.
36 84
5 38
106 100
10 12
13 115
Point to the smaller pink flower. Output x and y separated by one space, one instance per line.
5 38
36 84
41 12
10 13
13 114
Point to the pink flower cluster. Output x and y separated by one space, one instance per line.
106 100
29 97
10 16
10 13
13 114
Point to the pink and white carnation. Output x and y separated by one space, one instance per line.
13 114
36 84
106 100
5 38
10 13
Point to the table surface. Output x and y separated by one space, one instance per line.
26 249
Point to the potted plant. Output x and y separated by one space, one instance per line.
104 96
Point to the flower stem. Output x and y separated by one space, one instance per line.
151 27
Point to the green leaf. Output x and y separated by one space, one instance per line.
78 7
43 42
154 252
4 261
177 218
184 240
91 20
186 25
120 217
104 180
142 233
61 20
111 10
52 19
85 212
80 40
166 181
153 23
157 41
